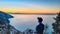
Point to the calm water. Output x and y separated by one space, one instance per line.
22 22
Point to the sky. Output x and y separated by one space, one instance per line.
30 6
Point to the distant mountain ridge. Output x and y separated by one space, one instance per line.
36 13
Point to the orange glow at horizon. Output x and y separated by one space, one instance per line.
31 10
32 6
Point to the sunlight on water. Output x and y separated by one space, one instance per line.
22 22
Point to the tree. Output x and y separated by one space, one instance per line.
56 25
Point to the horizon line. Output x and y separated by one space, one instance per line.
37 13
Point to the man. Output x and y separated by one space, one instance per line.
40 27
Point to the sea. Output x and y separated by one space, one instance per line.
23 22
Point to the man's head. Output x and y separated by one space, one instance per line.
40 19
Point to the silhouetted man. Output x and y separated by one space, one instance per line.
40 27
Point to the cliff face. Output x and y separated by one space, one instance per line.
5 27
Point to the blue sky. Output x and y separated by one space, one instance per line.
27 2
39 4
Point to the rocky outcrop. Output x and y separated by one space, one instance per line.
5 27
